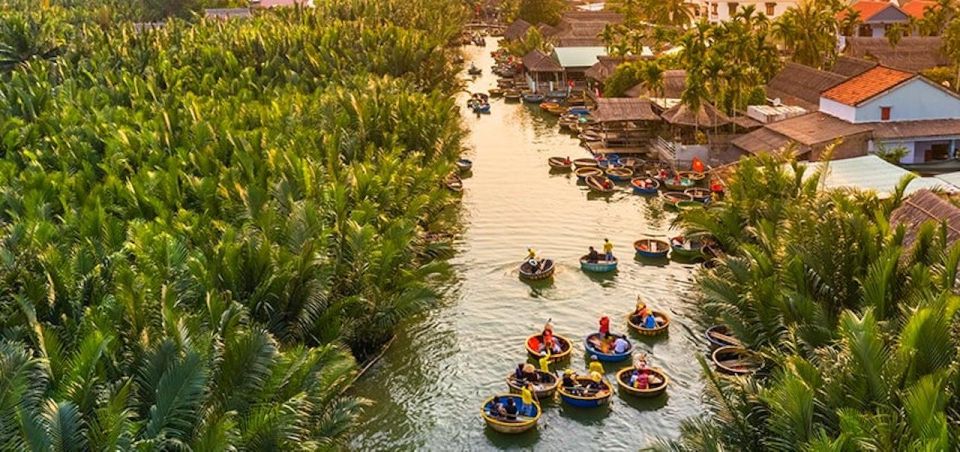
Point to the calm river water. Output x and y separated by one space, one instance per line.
427 390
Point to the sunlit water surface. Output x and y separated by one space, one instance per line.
427 389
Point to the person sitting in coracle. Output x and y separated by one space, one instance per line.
511 409
569 382
621 345
529 373
593 256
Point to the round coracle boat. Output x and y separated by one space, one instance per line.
620 174
559 163
591 343
661 320
544 388
686 248
583 173
657 382
698 194
736 360
599 184
535 347
544 270
599 266
504 424
586 163
645 185
721 336
583 396
651 248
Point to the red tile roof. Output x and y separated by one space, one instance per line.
917 8
866 85
866 8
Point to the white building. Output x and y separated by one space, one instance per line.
880 109
723 10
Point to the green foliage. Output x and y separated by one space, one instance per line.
857 327
541 11
531 41
198 218
726 63
808 32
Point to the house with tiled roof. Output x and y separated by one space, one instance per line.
911 54
879 109
918 8
716 11
875 17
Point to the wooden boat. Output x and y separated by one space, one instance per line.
474 70
695 176
464 165
602 356
652 248
586 163
590 136
623 381
559 163
698 194
590 400
546 270
663 323
565 347
632 163
520 425
545 388
619 174
599 184
550 106
720 336
496 92
671 198
645 185
736 360
686 249
454 183
584 173
481 108
671 184
598 266
511 94
579 111
532 98
684 206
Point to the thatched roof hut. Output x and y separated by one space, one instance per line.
924 206
912 54
706 116
537 61
516 30
624 109
674 83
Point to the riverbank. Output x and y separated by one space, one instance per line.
449 359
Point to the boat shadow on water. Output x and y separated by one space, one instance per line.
523 440
651 261
586 416
605 279
644 404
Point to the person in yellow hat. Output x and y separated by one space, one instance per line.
595 365
526 397
544 362
530 373
596 382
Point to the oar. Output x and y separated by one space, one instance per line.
725 338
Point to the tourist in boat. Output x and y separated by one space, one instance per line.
604 328
592 255
526 398
607 185
662 174
567 161
640 380
596 365
518 372
596 382
717 189
621 345
569 382
529 373
532 260
550 343
608 249
511 410
496 407
544 362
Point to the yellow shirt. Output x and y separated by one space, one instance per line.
544 364
595 366
607 247
526 396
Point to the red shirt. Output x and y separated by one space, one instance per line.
605 325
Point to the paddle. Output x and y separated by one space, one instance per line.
725 338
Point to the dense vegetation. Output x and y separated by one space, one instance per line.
859 326
196 218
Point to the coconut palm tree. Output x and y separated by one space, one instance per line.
808 31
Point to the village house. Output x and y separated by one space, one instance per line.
881 109
722 10
875 17
911 54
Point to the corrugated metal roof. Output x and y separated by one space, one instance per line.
872 173
950 178
578 56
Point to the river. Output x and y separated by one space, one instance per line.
427 389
